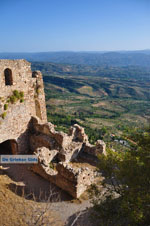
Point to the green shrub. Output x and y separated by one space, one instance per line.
126 200
51 165
21 100
5 107
21 94
3 115
8 100
38 88
13 99
16 94
38 91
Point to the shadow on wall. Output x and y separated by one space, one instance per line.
23 139
19 145
9 147
33 186
38 109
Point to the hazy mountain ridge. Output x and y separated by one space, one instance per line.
119 58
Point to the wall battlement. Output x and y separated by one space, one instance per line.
21 97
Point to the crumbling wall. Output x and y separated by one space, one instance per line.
61 156
64 159
16 111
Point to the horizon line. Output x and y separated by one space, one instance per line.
77 51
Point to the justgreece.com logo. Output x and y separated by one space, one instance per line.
20 159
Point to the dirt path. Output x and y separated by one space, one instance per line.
42 189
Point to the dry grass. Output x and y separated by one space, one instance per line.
16 210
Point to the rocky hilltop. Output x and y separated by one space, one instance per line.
67 160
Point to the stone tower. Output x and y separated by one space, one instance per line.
21 97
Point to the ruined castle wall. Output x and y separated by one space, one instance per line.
14 120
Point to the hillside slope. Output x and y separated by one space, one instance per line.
15 209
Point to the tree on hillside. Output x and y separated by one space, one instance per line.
125 199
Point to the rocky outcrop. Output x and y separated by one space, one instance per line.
60 155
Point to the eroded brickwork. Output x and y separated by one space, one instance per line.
21 97
67 160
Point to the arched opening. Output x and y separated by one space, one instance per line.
8 147
38 109
8 77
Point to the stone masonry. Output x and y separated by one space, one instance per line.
67 160
15 113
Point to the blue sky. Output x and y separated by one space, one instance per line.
78 25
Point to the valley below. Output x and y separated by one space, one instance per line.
112 105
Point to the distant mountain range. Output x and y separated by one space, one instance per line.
117 59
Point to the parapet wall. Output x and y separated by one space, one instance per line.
21 97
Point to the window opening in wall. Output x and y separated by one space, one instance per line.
8 77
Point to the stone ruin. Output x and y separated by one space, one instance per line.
67 160
21 97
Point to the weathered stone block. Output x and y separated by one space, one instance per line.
45 155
